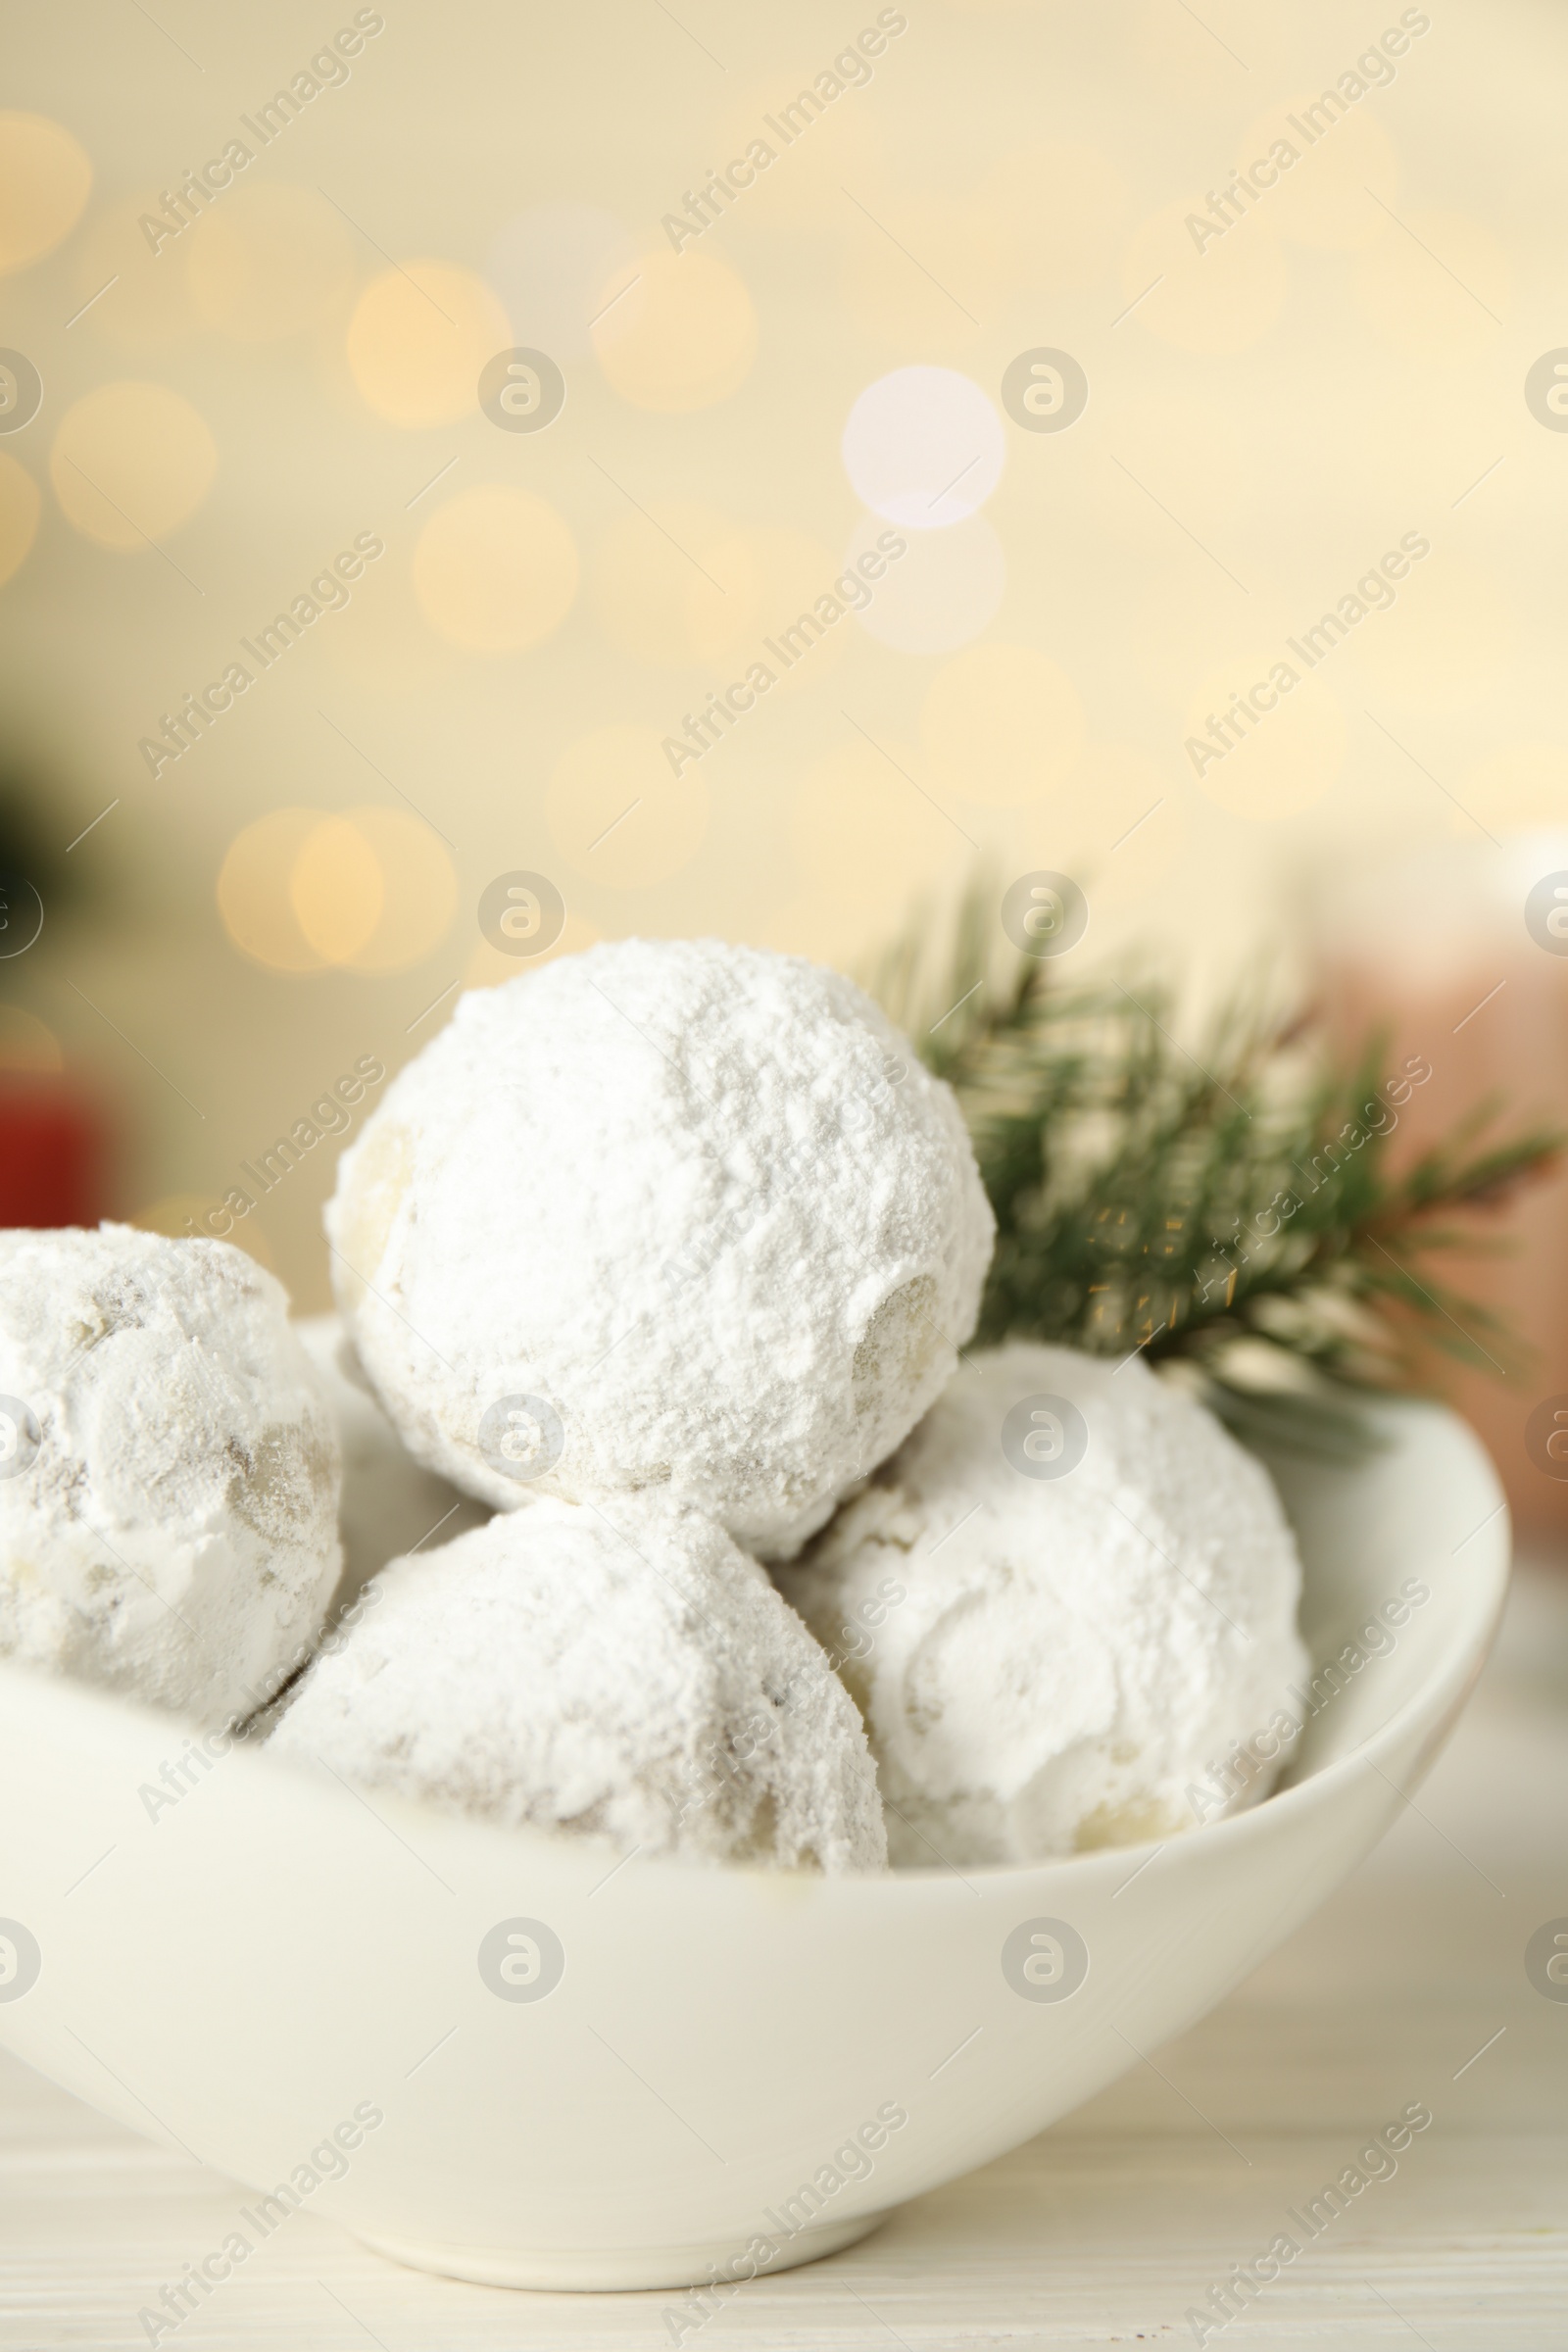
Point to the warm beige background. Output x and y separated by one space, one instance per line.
1341 368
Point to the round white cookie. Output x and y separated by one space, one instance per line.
671 1213
169 1470
647 1686
1060 1605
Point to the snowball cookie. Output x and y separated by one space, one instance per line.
650 1688
669 1213
390 1504
169 1470
1066 1598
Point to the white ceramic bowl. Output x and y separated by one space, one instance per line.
721 2064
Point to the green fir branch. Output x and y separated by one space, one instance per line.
1226 1207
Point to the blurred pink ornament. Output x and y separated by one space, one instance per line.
1459 954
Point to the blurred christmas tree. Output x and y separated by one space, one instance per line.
33 848
53 1133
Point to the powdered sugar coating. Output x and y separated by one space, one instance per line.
390 1503
650 1687
1068 1655
174 1535
700 1202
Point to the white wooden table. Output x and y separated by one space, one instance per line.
1409 1986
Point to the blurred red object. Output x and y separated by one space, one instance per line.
53 1153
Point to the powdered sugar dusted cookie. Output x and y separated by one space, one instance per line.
169 1470
671 1213
1060 1605
649 1687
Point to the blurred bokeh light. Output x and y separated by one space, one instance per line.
644 633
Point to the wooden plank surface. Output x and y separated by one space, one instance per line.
1409 1987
